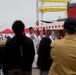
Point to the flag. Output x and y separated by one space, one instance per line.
44 31
37 31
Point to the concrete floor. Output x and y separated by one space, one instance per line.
35 72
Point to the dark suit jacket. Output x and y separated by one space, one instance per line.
19 54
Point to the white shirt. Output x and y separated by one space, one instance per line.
40 37
34 39
53 38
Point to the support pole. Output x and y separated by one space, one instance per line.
37 13
41 13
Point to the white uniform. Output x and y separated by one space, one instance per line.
34 65
53 38
40 37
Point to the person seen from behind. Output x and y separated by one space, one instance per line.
19 52
44 61
63 51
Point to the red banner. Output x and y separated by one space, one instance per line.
72 12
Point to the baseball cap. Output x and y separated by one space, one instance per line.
70 24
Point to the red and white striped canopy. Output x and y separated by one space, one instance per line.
52 26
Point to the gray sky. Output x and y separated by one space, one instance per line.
25 10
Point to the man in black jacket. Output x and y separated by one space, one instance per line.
19 52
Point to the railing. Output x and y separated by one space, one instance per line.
55 1
52 9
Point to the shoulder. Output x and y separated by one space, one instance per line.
9 42
56 43
28 39
28 35
56 47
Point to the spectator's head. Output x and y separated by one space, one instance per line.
18 27
70 26
61 37
45 44
31 30
53 33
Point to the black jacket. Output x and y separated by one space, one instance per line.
19 54
1 55
44 61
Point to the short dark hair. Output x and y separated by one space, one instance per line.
70 25
30 28
18 27
45 43
44 54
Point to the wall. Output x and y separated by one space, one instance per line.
71 11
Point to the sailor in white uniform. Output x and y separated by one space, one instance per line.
52 36
41 36
33 37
